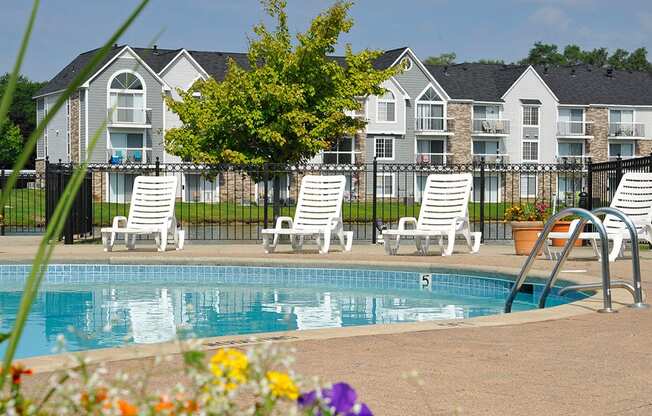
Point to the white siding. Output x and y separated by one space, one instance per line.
397 127
57 131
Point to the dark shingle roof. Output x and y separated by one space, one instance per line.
214 63
479 82
583 84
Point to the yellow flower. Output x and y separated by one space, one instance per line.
282 385
229 366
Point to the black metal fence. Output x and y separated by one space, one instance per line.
228 202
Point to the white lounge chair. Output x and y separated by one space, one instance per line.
318 213
634 198
444 213
151 212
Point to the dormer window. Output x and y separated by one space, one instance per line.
126 81
387 108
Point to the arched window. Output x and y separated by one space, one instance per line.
430 111
386 111
127 98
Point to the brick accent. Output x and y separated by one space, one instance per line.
643 147
99 186
238 187
598 148
40 173
73 127
461 143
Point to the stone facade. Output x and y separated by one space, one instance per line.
643 147
461 144
238 187
73 127
598 147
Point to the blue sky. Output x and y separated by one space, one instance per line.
472 28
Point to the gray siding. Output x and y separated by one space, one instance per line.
40 113
82 123
98 105
57 143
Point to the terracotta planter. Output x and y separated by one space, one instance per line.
563 226
525 234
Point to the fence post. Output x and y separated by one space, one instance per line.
265 195
374 236
482 195
69 229
157 167
2 213
619 172
649 163
589 184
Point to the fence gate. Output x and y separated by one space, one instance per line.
80 219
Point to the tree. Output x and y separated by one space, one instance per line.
289 105
573 55
446 58
597 57
491 61
11 144
637 61
618 59
543 54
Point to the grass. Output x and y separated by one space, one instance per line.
26 208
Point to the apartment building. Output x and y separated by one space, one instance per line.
429 114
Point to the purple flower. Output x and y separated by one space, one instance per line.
364 411
342 398
307 399
339 400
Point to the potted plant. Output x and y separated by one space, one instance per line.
526 221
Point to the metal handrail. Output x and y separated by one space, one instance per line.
586 216
621 284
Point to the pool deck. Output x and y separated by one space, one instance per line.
535 363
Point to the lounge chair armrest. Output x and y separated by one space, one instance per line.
281 220
117 220
406 220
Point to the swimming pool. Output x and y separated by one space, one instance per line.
99 306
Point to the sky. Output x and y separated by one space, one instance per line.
473 29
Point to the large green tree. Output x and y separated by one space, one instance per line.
290 102
11 144
447 58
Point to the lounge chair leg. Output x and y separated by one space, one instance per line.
346 239
267 245
425 246
297 242
107 242
163 245
324 242
130 241
179 239
451 244
617 248
477 239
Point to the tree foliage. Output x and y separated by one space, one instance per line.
447 58
11 143
290 102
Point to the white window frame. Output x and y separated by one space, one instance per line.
621 142
430 139
521 188
338 152
110 91
393 140
620 109
393 182
144 149
380 100
441 103
538 127
570 109
523 148
583 155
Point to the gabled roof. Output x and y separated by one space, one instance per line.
478 82
388 58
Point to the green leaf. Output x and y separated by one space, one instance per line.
4 336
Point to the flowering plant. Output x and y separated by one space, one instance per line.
257 382
539 211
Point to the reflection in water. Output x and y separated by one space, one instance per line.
107 316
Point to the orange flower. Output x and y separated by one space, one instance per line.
127 409
17 371
164 404
191 406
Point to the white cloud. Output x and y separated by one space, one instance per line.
552 17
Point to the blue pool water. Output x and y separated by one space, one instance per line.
99 306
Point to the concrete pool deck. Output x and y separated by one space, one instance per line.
581 363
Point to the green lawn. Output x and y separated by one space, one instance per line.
27 208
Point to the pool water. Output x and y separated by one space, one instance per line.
113 305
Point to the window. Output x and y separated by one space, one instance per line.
624 150
127 99
530 116
386 108
430 112
571 121
431 151
129 147
486 147
528 186
486 112
341 152
385 184
530 151
568 186
570 149
407 63
621 123
384 148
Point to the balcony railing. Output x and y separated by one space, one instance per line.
572 159
574 128
434 124
434 158
130 115
626 130
129 156
491 157
484 126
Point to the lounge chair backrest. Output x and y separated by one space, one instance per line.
320 199
445 198
152 201
634 198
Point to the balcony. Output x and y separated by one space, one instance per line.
434 125
129 156
434 158
491 158
491 127
626 129
129 117
572 159
574 129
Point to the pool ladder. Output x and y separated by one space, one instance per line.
606 284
